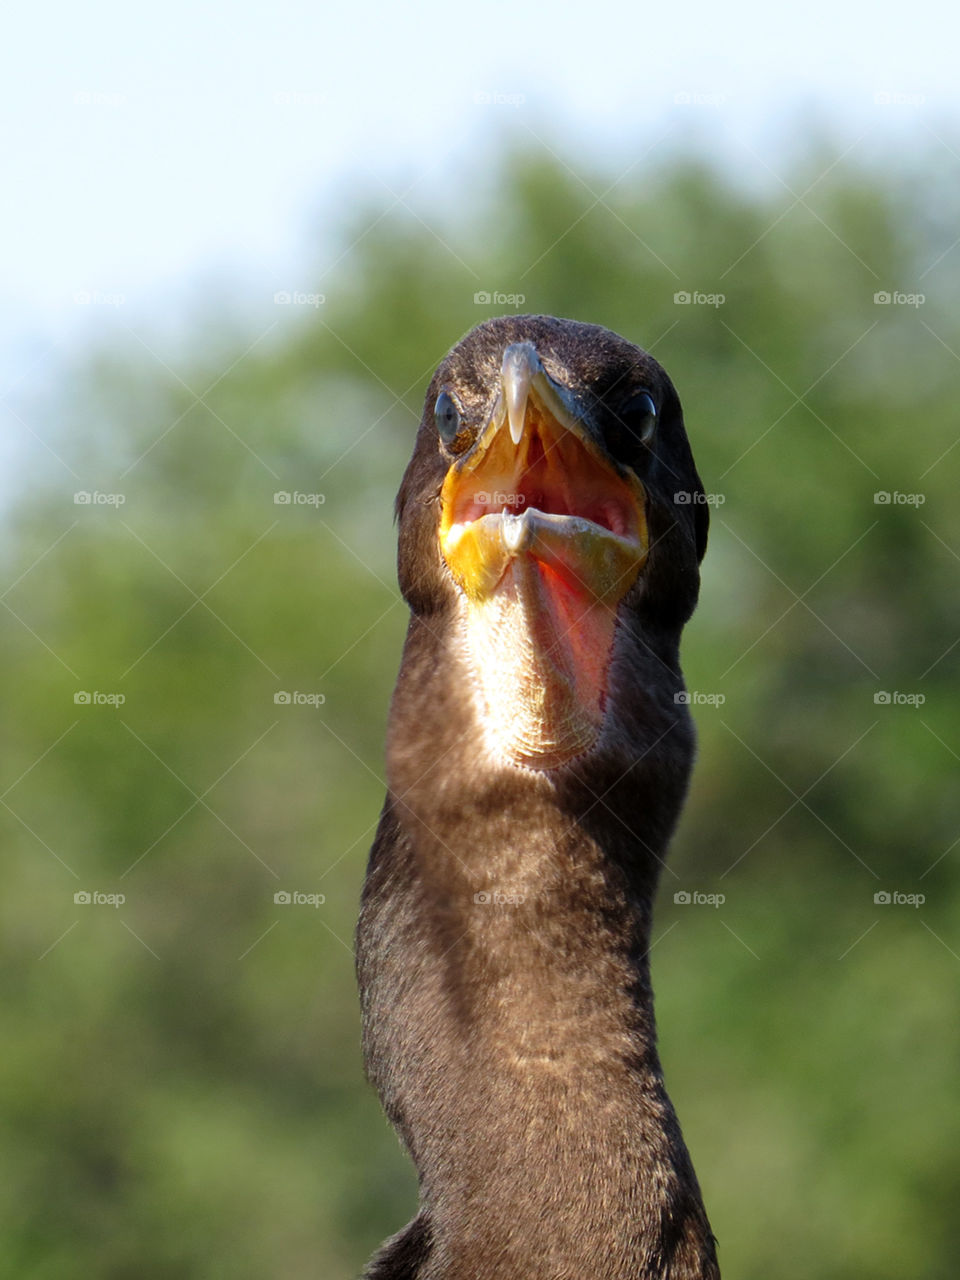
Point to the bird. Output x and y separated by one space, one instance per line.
551 525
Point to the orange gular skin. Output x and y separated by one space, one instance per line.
541 588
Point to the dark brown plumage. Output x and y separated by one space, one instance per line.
503 938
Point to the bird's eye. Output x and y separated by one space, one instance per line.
639 415
446 414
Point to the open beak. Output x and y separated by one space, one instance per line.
538 486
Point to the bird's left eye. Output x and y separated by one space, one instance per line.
639 415
446 414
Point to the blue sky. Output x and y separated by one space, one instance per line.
150 150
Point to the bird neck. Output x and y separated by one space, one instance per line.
509 1013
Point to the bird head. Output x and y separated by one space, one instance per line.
552 503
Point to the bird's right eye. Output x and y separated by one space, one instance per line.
446 414
639 415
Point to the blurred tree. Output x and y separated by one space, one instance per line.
181 1081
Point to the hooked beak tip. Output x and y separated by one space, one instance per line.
516 417
520 365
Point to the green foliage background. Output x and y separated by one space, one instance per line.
181 1081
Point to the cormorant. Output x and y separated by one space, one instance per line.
551 526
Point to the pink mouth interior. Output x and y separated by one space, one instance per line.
550 470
